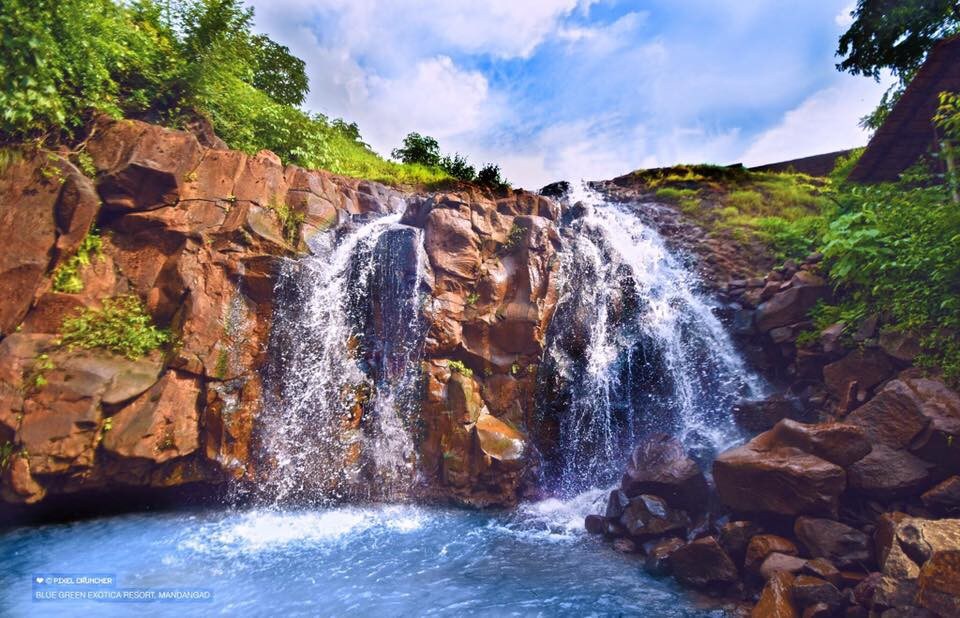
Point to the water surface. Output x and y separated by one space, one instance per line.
372 561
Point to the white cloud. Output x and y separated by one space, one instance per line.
826 121
845 17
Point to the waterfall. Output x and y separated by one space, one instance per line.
341 385
633 348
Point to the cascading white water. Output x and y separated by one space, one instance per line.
344 366
633 347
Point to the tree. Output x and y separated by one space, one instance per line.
279 73
489 175
421 149
895 35
458 167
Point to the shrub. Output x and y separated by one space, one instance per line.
121 326
459 367
489 176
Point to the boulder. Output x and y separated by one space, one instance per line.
878 592
734 537
781 563
944 498
616 504
807 590
779 480
888 474
866 368
824 569
905 543
790 306
939 583
839 443
659 465
893 417
657 561
648 516
703 564
760 415
762 546
776 600
499 440
595 524
837 542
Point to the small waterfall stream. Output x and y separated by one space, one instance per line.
633 348
342 380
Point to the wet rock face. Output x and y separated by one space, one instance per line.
494 290
197 234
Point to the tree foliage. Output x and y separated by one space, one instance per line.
420 149
894 35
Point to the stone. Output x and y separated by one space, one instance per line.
893 417
839 443
760 415
776 600
878 592
837 542
499 440
647 516
777 563
790 306
734 537
944 498
782 480
891 558
824 569
939 583
616 504
867 367
595 524
902 346
703 564
624 546
657 561
808 590
660 466
905 543
762 546
818 610
888 474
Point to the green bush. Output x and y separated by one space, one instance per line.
121 326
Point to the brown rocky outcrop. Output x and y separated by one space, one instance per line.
703 564
659 465
197 233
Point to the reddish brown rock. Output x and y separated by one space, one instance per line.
878 592
777 563
893 417
780 480
888 474
824 569
659 465
837 542
939 584
790 306
944 498
595 524
734 537
866 367
807 591
762 546
657 561
703 564
761 415
839 443
648 516
776 600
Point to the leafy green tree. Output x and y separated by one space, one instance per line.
895 35
489 176
420 149
458 167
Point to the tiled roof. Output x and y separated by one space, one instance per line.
908 132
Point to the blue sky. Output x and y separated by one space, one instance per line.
554 89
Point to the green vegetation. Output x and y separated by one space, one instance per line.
121 325
894 36
169 62
41 365
459 367
290 221
472 299
66 277
6 454
424 151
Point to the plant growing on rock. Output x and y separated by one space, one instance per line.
460 368
66 277
121 326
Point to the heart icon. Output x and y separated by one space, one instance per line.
39 580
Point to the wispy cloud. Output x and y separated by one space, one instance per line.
580 88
